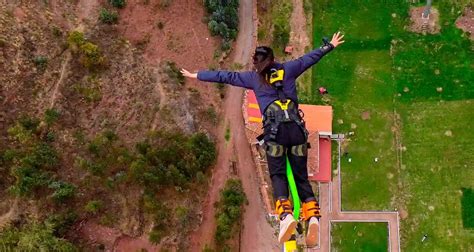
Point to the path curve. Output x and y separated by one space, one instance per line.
256 233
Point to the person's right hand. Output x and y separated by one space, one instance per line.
188 74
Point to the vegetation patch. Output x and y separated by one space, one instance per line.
223 20
229 211
118 3
467 204
281 15
89 53
108 16
34 237
363 237
417 91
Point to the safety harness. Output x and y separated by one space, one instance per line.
282 110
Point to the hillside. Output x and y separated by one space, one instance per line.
99 132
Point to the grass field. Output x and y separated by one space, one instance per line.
383 72
358 237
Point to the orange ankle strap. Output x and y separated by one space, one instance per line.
283 206
311 209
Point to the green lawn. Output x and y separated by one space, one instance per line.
385 71
358 77
359 236
437 164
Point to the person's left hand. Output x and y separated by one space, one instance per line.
337 39
188 74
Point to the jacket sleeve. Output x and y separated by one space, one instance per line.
239 79
296 67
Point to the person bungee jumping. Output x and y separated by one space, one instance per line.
285 135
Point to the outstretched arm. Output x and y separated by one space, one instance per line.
239 79
296 67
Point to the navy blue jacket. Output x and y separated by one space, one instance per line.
265 93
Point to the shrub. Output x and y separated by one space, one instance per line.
30 160
40 62
92 57
229 210
160 25
62 190
50 137
34 237
75 40
20 134
61 222
174 72
117 3
56 31
227 134
108 16
43 155
94 206
161 217
164 3
224 20
51 116
281 35
28 179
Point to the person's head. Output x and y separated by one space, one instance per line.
262 59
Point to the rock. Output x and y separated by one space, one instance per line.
431 208
340 121
353 126
437 72
390 175
439 89
406 89
394 15
448 133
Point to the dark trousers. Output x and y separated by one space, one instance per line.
292 143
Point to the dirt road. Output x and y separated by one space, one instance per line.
256 234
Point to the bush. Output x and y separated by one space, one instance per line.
174 72
75 40
281 14
117 3
281 36
51 116
161 217
40 62
61 223
31 160
108 16
28 179
229 210
224 20
94 206
62 191
92 57
34 237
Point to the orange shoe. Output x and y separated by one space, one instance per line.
311 214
